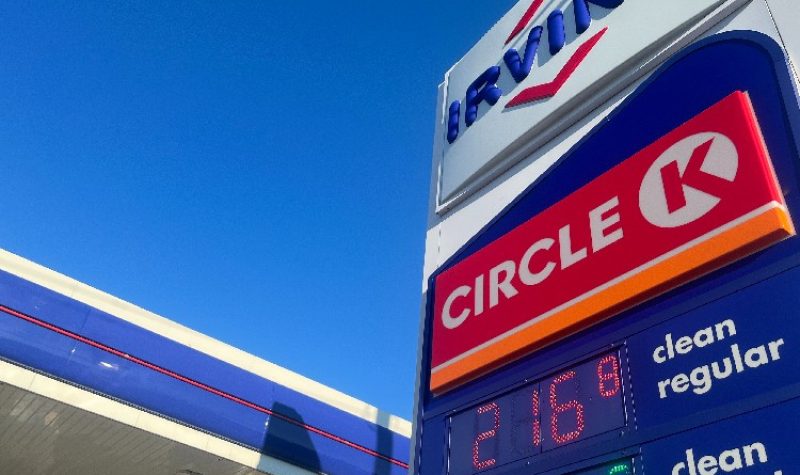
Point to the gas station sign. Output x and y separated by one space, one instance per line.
630 305
697 198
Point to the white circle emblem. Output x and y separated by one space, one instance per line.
681 185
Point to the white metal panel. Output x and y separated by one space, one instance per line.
640 35
786 14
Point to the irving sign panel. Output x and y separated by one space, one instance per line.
703 195
545 62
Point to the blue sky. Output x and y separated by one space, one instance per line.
257 171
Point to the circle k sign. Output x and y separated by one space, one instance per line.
687 180
698 198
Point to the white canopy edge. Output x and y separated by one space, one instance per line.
100 300
74 396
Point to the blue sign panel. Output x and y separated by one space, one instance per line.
760 442
708 373
722 353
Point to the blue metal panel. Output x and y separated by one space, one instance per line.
33 346
735 444
130 382
762 314
55 308
696 78
129 338
154 380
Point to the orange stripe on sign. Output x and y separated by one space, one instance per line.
767 226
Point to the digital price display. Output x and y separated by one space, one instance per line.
572 405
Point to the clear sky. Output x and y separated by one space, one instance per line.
257 171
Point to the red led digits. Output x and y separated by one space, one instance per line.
609 381
558 409
577 403
476 461
537 424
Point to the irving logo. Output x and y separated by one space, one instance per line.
485 88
